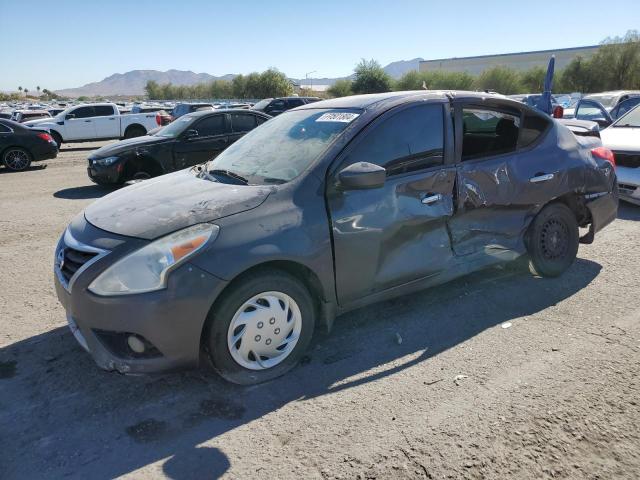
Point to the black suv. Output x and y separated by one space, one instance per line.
184 108
275 106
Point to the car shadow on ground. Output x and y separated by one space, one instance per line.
33 168
628 211
62 416
83 193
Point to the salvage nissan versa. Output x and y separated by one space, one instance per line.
323 209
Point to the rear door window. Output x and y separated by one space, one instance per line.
488 132
408 141
241 122
103 110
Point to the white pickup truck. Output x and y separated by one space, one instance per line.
96 121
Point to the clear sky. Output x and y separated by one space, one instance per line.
68 43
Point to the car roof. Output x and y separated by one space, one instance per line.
373 99
14 125
225 111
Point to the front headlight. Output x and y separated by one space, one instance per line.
105 162
146 269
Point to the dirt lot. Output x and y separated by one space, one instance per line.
498 375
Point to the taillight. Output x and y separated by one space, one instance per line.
158 119
46 137
558 111
605 154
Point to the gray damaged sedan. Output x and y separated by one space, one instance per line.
324 209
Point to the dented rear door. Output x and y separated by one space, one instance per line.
503 180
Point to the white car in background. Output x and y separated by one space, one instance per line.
623 138
96 121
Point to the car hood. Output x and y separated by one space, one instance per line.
30 123
128 145
162 205
621 138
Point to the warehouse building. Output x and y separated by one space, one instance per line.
517 61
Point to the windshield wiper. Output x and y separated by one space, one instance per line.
230 174
628 125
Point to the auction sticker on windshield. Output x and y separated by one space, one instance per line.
344 117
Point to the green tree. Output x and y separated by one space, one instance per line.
532 80
20 89
273 83
370 77
152 90
500 79
341 88
239 86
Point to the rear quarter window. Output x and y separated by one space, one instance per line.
533 127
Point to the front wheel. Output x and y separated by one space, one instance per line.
553 240
261 328
16 159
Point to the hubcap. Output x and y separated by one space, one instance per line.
16 159
554 239
264 330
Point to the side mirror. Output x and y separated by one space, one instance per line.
70 116
362 175
191 133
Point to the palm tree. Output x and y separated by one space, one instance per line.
20 89
26 91
38 88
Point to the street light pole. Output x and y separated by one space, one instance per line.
306 76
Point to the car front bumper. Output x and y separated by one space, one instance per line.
168 322
629 184
110 174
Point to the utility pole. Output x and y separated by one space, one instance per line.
306 76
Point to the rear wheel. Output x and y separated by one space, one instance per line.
553 240
16 159
260 329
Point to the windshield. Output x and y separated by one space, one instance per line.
631 119
262 103
282 148
605 100
175 128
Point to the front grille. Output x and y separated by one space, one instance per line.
631 160
73 261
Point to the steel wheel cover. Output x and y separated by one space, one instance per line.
16 159
264 330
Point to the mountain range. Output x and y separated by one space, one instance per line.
133 82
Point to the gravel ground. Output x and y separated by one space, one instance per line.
497 375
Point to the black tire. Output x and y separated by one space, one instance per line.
225 309
16 159
57 138
133 132
553 240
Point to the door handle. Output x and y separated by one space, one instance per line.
112 119
542 178
431 199
87 121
